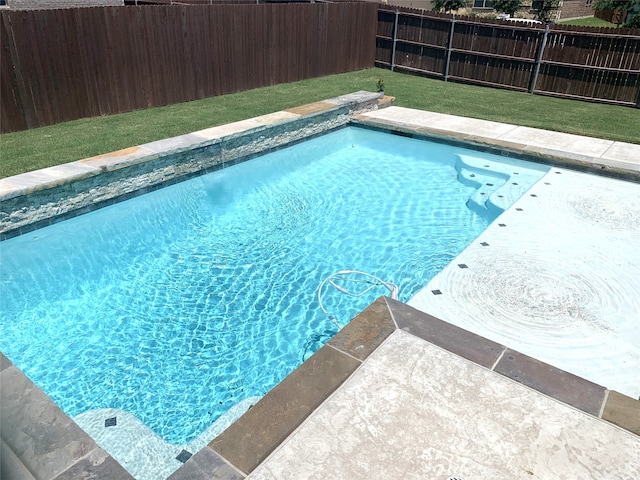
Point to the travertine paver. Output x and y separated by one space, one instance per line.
416 411
366 331
441 121
174 144
119 159
276 117
253 437
30 182
581 145
228 129
626 153
623 410
311 108
45 440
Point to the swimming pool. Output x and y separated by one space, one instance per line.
179 304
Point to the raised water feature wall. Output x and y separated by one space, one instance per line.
35 199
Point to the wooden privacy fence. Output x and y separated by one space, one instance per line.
60 65
570 62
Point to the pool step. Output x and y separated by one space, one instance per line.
473 172
498 184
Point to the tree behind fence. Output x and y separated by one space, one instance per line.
600 65
60 65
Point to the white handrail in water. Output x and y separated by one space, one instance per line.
372 281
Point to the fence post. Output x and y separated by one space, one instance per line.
449 47
536 68
395 40
28 113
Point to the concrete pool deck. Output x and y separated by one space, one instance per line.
398 393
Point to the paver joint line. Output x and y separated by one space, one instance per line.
343 352
604 403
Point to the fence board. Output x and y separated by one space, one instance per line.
74 63
615 52
574 62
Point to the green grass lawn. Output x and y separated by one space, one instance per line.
588 22
47 146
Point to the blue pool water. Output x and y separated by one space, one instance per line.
176 305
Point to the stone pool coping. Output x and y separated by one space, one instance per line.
38 439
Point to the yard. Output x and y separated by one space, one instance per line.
47 146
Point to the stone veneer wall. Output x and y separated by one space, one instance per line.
104 180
